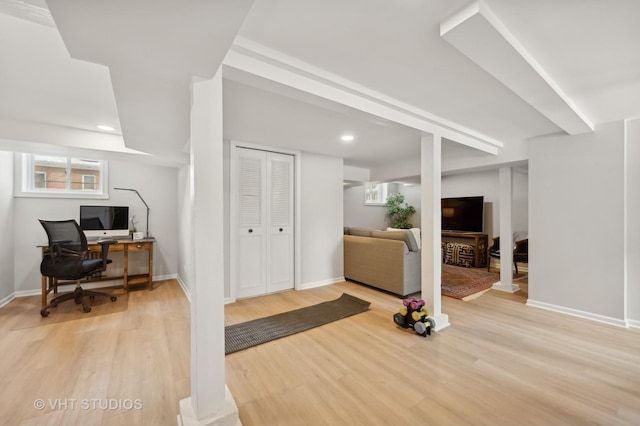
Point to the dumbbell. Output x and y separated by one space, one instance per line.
408 301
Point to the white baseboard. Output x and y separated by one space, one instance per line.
306 286
510 288
165 277
578 313
87 286
7 299
184 288
442 321
633 323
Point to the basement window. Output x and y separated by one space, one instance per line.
375 194
55 176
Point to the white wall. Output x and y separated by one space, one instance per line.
466 159
157 185
413 197
633 224
357 215
6 225
456 158
322 219
576 194
486 183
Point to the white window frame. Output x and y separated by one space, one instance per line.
24 180
382 191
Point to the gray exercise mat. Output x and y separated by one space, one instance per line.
251 333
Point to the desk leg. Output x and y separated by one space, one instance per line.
150 267
44 291
125 260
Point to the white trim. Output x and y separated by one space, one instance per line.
86 286
509 288
184 288
228 416
23 181
259 60
633 323
442 321
165 277
578 313
7 299
517 69
116 282
321 283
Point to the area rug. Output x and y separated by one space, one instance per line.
255 332
68 310
466 283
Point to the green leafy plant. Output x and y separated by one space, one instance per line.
399 211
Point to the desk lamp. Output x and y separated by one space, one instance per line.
145 203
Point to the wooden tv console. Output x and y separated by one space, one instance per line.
480 243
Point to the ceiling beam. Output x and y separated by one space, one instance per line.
256 59
478 33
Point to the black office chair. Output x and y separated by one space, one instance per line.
66 259
520 252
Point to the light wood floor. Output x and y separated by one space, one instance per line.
499 363
141 354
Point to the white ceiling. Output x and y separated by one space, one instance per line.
128 64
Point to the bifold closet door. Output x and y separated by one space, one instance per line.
265 239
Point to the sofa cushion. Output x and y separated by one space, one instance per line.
416 234
360 232
400 235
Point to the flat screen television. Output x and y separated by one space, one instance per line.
463 214
104 221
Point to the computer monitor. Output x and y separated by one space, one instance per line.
104 221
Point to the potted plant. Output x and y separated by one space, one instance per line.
399 211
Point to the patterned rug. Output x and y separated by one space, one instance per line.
464 283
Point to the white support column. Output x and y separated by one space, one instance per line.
431 184
506 233
210 401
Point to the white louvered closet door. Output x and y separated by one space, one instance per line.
280 219
250 262
264 257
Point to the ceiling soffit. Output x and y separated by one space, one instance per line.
152 51
480 35
251 57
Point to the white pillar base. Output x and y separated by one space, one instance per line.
228 416
510 288
442 321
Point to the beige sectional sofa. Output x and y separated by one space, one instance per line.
388 260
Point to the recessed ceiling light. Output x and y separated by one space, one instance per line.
105 128
347 138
